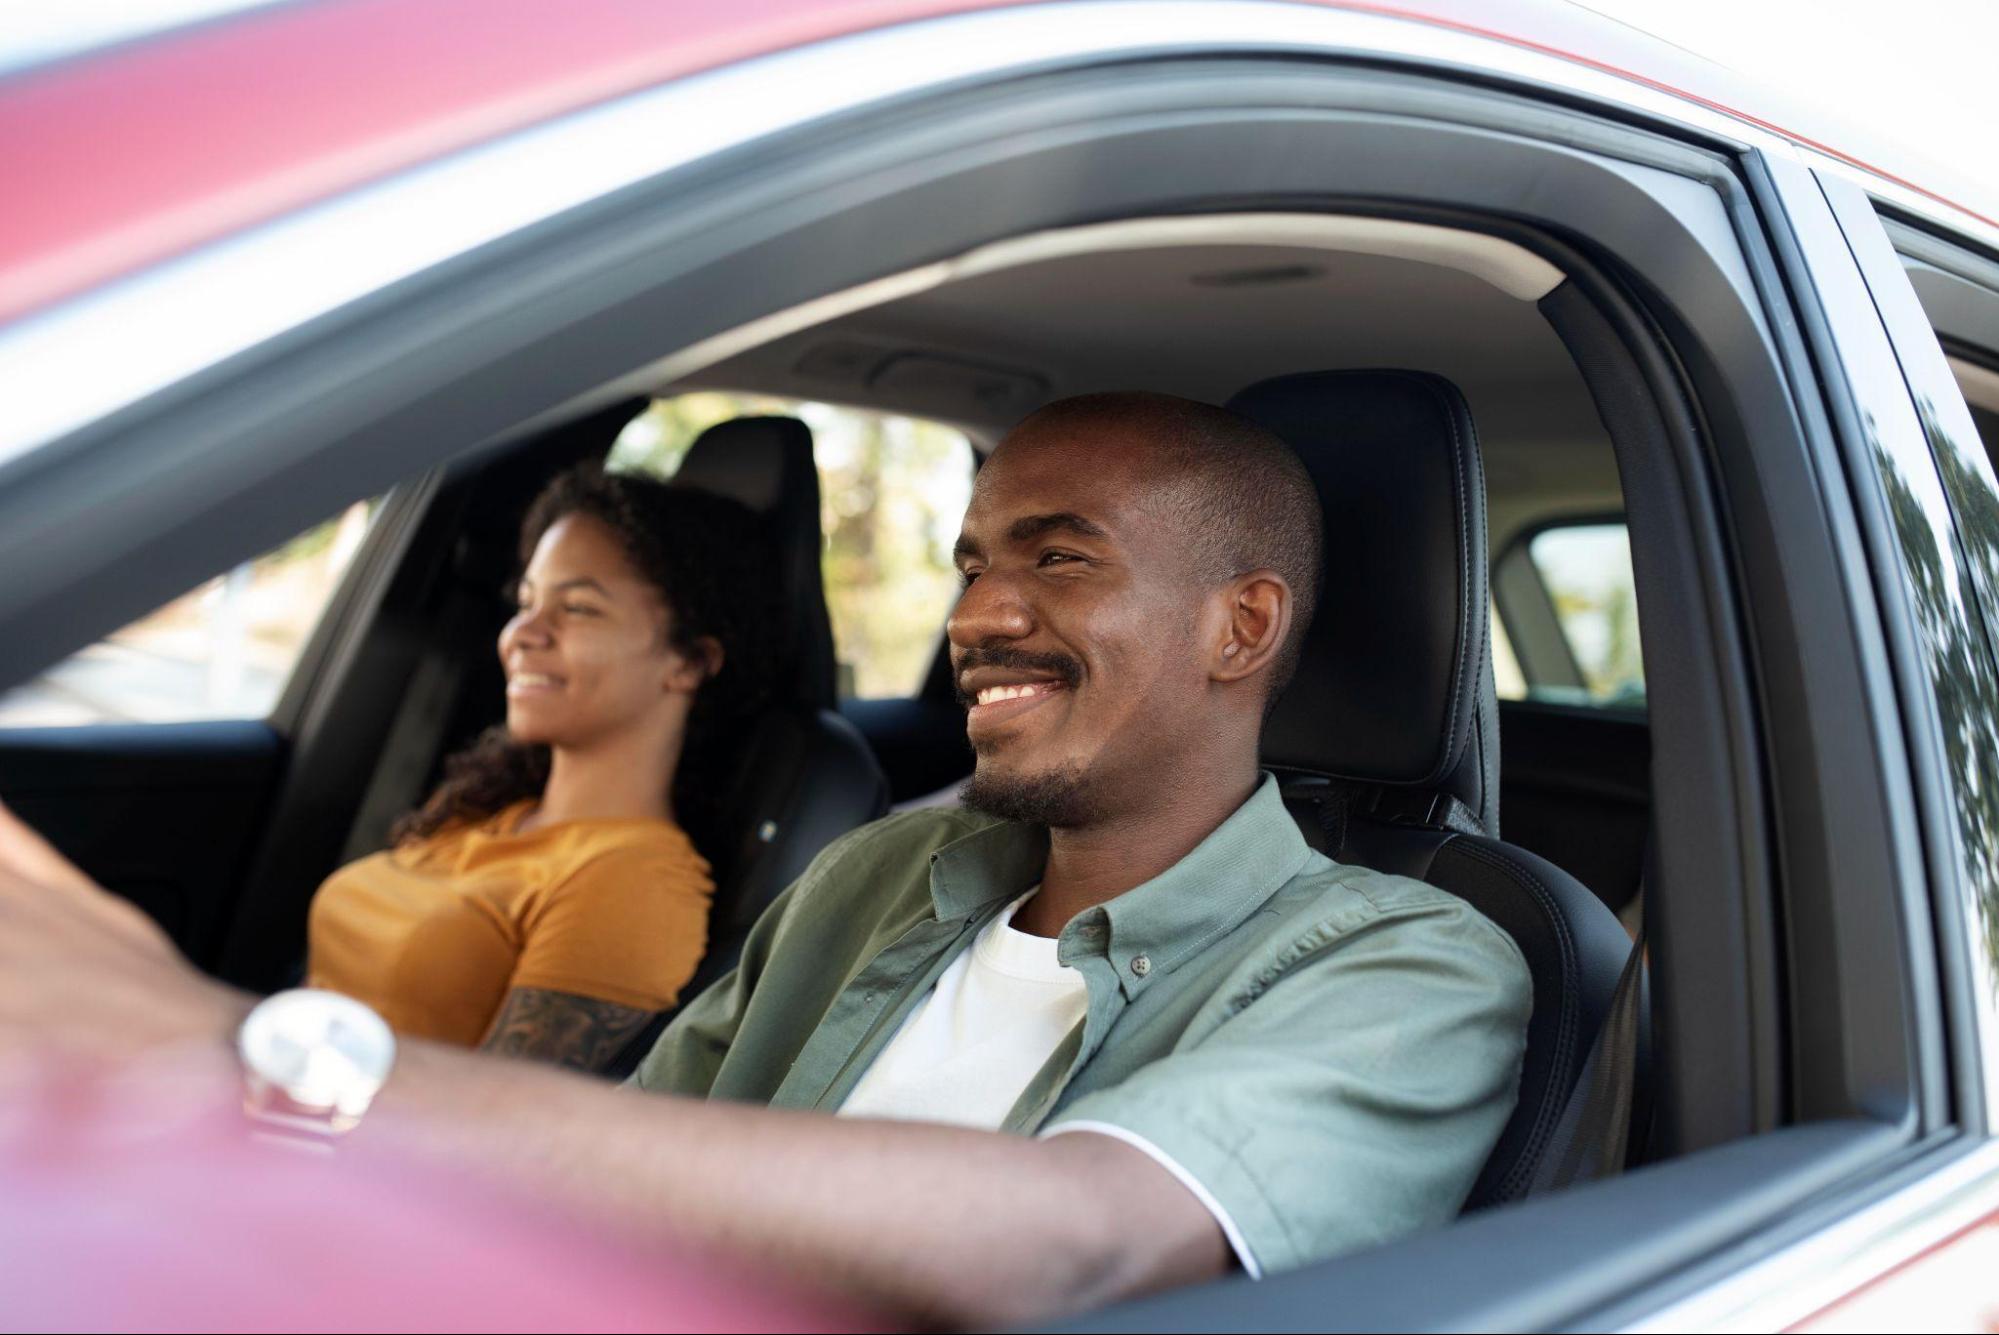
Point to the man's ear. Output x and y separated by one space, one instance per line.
690 671
1258 617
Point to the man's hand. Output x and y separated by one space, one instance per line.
83 971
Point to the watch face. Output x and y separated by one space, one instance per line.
321 1050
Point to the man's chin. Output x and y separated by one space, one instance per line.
1060 798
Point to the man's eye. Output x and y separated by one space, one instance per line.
1057 558
965 577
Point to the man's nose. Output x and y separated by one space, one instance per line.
991 609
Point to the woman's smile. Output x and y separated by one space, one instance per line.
532 683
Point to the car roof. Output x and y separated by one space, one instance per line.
349 91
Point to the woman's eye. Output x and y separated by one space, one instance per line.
579 610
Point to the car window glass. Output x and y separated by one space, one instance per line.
892 492
1979 384
220 651
1586 571
1508 682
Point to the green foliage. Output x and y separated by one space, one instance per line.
1948 567
1587 571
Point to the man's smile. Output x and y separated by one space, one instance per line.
998 692
1002 703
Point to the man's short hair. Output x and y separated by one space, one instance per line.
1242 495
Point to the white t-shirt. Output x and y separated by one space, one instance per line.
967 1051
994 1018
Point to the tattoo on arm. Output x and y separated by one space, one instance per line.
582 1033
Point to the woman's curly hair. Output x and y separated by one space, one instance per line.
708 558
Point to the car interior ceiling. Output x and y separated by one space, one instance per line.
978 353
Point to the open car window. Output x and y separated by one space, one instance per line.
223 650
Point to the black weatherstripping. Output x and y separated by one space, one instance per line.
1707 1013
1867 1034
1965 667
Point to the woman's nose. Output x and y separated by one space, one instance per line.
991 609
525 628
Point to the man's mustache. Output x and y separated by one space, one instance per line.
1059 666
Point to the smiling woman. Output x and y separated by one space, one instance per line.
547 900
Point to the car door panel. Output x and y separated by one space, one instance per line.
1575 786
164 815
1522 1267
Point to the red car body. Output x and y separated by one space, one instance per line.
145 150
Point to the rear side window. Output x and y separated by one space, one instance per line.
1980 386
892 493
221 651
1567 631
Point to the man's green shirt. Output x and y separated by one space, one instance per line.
1328 1051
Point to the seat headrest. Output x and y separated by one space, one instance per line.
1394 684
766 463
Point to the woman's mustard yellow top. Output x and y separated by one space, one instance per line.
433 933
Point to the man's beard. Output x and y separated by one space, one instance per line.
1059 798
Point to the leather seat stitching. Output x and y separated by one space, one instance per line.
1567 1022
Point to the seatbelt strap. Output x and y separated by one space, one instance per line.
417 734
1592 1138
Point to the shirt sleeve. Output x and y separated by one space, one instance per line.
1352 1101
628 927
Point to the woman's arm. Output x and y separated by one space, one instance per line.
606 950
582 1033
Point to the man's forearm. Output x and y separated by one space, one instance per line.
946 1224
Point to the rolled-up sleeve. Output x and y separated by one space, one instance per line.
1350 1100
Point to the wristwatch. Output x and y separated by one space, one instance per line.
312 1063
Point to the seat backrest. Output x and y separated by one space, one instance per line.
766 464
803 775
1387 741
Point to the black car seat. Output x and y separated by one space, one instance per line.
1387 740
804 775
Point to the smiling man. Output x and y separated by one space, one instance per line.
1109 1027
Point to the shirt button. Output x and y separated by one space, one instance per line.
1141 965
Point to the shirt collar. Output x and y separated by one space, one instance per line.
998 862
1207 894
1165 921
